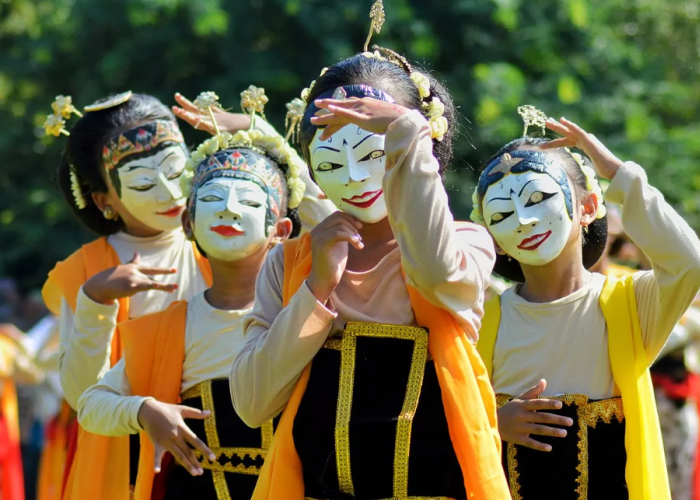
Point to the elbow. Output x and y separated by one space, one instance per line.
68 394
83 409
251 410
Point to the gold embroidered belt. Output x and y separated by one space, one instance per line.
228 459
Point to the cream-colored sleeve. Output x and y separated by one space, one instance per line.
451 268
279 343
664 293
108 408
85 344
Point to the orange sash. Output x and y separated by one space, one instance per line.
470 405
100 467
154 352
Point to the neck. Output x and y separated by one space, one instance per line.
376 233
233 286
555 280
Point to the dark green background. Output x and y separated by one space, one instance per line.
625 70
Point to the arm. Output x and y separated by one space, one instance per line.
665 293
450 268
280 342
108 408
85 345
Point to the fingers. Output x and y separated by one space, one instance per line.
345 103
541 404
148 284
535 391
158 458
185 102
136 259
188 412
185 456
543 430
573 127
154 271
550 418
336 216
329 131
535 445
557 127
563 142
191 438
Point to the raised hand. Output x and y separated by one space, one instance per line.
165 425
521 417
126 280
604 161
367 113
227 122
329 251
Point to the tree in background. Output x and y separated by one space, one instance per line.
625 69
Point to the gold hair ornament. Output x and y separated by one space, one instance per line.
292 122
274 146
205 102
532 116
253 101
376 14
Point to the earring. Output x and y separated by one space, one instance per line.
510 259
585 229
109 213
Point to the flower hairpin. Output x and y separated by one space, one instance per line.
532 116
253 101
63 108
205 102
376 14
292 122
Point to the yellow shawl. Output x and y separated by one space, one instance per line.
646 466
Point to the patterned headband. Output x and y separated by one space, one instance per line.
140 139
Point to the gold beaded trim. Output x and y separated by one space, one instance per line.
405 422
588 415
204 391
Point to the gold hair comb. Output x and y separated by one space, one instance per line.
292 122
253 101
376 14
532 116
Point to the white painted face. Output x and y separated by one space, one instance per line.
526 215
229 219
150 189
349 168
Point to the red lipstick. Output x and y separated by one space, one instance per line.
365 200
227 231
173 212
534 242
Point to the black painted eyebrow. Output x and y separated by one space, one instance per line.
163 160
494 199
523 189
363 140
328 148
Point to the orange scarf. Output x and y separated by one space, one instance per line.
154 352
467 396
100 466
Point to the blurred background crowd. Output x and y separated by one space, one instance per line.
627 70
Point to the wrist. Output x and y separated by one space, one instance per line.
93 293
322 291
144 409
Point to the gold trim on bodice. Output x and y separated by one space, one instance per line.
588 415
204 391
348 347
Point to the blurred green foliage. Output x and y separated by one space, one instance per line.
626 70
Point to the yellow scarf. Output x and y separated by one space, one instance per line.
645 471
468 398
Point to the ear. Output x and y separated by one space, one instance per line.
283 228
188 224
589 209
101 200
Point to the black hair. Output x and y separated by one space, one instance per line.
83 154
395 81
594 240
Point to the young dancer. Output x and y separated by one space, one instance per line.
244 192
588 339
374 407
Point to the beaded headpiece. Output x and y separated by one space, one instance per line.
140 139
224 155
432 106
523 160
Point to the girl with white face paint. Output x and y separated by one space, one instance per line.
389 264
238 210
120 175
588 340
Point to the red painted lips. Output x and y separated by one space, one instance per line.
173 212
227 231
365 200
534 242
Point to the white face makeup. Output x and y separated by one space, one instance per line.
349 168
229 219
526 215
150 189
